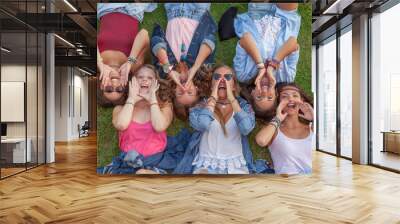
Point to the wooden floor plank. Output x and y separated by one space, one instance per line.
70 191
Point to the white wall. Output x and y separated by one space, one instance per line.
69 82
61 103
33 127
16 73
79 117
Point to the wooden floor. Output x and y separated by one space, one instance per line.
70 191
387 159
10 171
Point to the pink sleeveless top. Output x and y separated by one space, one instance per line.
142 138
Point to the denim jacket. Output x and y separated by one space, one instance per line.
204 33
200 119
135 10
243 64
189 10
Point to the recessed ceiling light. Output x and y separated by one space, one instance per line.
84 71
64 40
5 50
70 5
337 7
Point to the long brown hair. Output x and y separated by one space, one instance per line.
303 95
102 100
201 81
164 93
263 116
217 112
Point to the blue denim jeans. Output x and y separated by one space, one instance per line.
163 162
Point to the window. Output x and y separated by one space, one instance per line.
385 89
22 75
346 93
327 96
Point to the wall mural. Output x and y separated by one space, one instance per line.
204 88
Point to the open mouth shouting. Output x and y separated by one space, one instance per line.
264 83
222 85
144 88
291 107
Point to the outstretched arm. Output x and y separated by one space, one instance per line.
249 45
267 134
201 115
139 46
104 69
287 48
122 115
161 118
141 43
203 54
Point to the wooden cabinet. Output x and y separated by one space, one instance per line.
391 142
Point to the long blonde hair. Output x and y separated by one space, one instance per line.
217 112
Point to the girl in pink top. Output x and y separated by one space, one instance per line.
142 138
143 119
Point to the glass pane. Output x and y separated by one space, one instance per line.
385 85
13 86
327 97
31 98
346 94
41 99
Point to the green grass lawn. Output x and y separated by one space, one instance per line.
107 138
